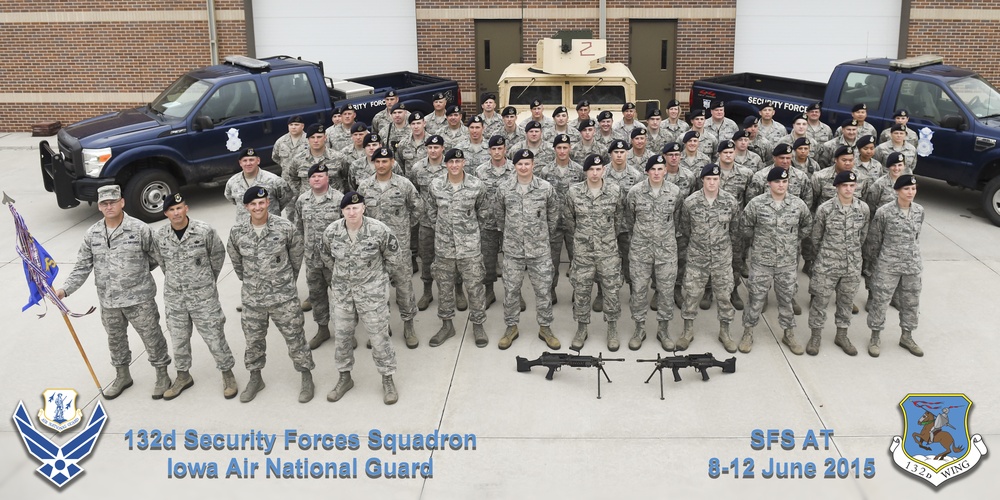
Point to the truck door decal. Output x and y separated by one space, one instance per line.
233 142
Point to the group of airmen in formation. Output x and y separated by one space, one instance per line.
695 205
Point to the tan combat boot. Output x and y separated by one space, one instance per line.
613 342
409 336
446 332
663 336
162 382
491 295
229 387
255 385
545 333
322 335
815 338
906 342
426 298
390 396
479 333
508 337
793 345
122 381
746 342
727 340
308 388
686 336
844 343
579 338
183 381
344 384
638 336
874 344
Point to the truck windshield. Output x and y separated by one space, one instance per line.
979 96
180 97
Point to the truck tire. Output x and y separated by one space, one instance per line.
145 192
991 200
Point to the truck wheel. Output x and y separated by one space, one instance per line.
145 192
991 200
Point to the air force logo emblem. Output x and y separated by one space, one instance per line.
60 413
59 463
932 447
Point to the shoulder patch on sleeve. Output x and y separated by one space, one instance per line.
393 243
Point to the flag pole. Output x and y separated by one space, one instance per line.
79 346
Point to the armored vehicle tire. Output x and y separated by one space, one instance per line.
145 192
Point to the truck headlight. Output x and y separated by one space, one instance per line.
94 160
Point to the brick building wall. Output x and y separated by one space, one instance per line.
68 60
962 31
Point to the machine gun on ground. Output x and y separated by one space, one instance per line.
554 361
700 362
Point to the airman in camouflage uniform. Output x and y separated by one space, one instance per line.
363 168
454 132
252 175
393 200
582 114
897 144
656 135
360 252
437 120
822 182
774 223
593 213
191 254
421 176
511 132
287 147
758 144
849 129
802 159
674 125
605 134
734 180
314 210
624 127
772 130
317 151
561 174
866 162
900 117
476 149
493 173
742 154
456 203
839 231
693 159
860 114
412 149
892 244
798 181
398 129
815 129
538 115
543 152
720 126
492 121
339 137
355 151
708 220
707 141
587 144
619 172
560 119
120 250
529 207
382 119
639 152
267 254
799 130
880 191
651 210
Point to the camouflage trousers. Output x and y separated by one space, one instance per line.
490 246
539 270
208 317
372 307
556 246
624 244
821 287
907 289
414 243
607 272
145 318
426 251
695 279
759 283
446 271
288 317
642 273
404 286
318 280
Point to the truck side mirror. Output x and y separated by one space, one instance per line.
202 122
956 122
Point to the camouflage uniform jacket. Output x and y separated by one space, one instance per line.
363 168
863 130
529 219
821 132
735 182
721 131
815 147
799 185
773 132
810 167
512 138
434 123
475 154
638 161
694 163
823 188
594 220
121 267
761 147
338 137
708 143
544 153
397 205
604 141
882 152
549 134
191 265
454 137
421 176
561 179
364 264
312 215
705 231
286 149
651 221
829 148
873 169
880 193
455 214
675 130
268 265
750 160
393 135
838 235
911 136
893 239
492 125
683 179
546 121
623 131
492 178
333 160
625 179
774 233
410 151
278 192
656 140
581 151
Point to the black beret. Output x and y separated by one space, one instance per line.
618 144
381 153
897 127
894 158
802 117
905 180
801 141
315 169
724 145
560 139
900 114
673 103
671 147
487 96
315 128
843 151
475 119
750 121
585 123
391 93
254 193
509 111
814 106
559 109
740 134
399 105
592 160
850 122
454 154
337 110
653 112
627 106
717 104
453 110
497 140
859 106
296 119
865 140
531 125
535 103
359 127
582 104
655 160
351 198
174 199
249 152
768 104
371 138
781 149
636 132
777 173
845 176
434 140
414 116
696 113
437 96
605 115
524 154
690 134
710 169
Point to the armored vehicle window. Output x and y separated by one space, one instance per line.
548 94
292 91
864 88
609 94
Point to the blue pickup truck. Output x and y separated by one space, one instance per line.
193 132
956 108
